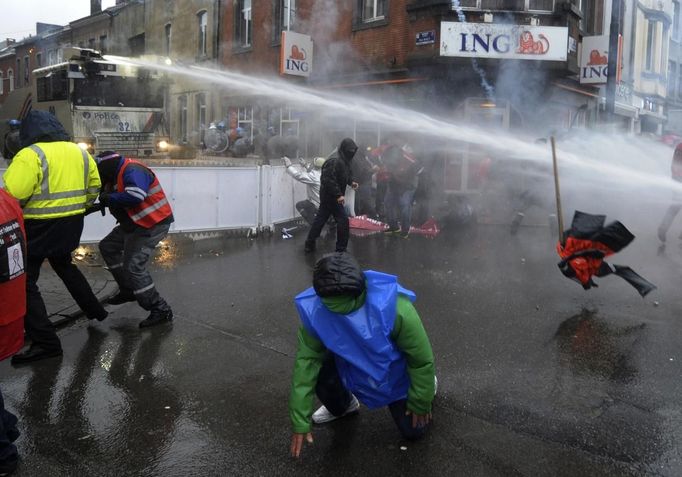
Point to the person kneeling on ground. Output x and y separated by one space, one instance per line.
346 362
137 201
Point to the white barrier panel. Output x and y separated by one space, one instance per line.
218 198
281 193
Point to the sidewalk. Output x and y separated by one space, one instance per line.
61 307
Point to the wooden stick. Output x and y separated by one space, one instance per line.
557 191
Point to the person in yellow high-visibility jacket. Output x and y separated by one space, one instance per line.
55 182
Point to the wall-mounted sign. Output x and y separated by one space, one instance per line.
594 60
491 40
425 37
296 57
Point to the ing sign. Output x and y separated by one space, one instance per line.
296 57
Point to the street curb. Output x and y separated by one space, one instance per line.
72 313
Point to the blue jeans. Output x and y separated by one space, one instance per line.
8 434
336 398
398 205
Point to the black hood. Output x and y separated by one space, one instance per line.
338 274
108 163
347 149
41 126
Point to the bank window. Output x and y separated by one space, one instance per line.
245 120
203 33
541 5
167 39
244 25
10 74
289 124
650 42
182 106
373 10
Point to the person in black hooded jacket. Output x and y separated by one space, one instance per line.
336 175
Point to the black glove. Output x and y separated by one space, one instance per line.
104 199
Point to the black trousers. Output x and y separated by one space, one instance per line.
38 326
327 209
8 434
336 398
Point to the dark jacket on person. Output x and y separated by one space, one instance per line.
336 172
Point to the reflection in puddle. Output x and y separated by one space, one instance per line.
591 346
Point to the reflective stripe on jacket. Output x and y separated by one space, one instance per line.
154 208
53 180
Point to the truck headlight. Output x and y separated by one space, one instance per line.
162 145
85 146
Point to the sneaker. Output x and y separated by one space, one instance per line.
392 230
157 317
121 298
404 234
322 415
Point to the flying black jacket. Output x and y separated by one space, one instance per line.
336 172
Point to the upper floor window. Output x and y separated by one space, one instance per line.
103 44
39 60
676 20
672 77
373 10
203 33
650 43
167 40
288 14
27 71
10 74
18 78
51 57
244 25
2 83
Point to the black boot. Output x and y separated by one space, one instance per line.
35 353
157 317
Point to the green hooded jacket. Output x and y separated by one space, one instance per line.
408 334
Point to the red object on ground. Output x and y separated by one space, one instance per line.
13 291
363 222
429 228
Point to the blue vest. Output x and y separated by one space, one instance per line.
369 363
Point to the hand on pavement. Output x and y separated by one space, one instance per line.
341 200
287 161
419 420
297 443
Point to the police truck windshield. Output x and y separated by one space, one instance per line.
116 91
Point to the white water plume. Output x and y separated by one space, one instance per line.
637 167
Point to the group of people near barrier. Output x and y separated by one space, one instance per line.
350 171
51 185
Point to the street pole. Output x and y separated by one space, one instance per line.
611 81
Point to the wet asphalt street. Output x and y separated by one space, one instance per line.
536 376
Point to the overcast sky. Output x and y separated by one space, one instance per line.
18 17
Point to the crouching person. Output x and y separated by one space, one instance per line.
361 341
137 201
